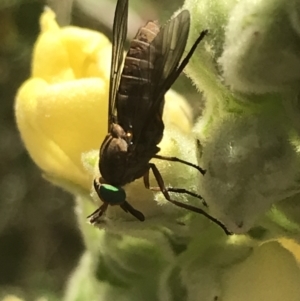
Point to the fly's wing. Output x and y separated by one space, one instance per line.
119 38
169 45
166 49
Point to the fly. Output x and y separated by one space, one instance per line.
136 101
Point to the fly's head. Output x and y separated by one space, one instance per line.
113 196
109 194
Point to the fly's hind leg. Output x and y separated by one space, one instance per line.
175 159
166 194
172 189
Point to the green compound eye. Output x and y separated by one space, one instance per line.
112 195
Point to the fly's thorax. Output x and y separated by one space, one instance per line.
116 131
114 141
122 163
113 154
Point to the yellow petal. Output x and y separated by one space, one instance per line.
87 50
48 22
59 122
270 273
50 57
69 53
177 112
61 111
292 246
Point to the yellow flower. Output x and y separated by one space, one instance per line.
61 110
270 273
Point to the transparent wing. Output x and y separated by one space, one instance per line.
155 63
119 38
169 44
165 52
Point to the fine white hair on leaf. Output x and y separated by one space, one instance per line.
251 164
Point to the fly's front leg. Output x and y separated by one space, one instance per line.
165 192
183 190
175 159
94 218
128 208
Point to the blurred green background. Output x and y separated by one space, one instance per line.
40 243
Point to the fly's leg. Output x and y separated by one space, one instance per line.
191 52
167 189
94 218
128 208
96 215
175 159
183 190
177 190
165 192
185 61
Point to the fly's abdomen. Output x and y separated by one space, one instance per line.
136 76
140 56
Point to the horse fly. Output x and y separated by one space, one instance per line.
136 101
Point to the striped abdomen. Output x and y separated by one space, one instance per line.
133 99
